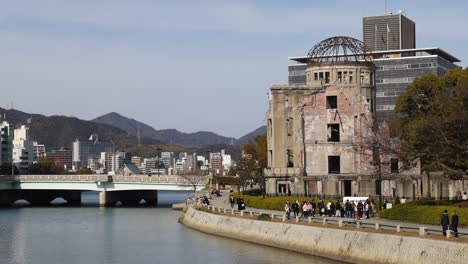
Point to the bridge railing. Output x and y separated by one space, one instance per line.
198 180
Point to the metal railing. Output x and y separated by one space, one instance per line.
338 221
106 178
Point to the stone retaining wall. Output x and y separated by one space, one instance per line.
344 245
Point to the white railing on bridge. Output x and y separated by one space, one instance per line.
198 180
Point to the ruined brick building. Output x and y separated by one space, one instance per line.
315 130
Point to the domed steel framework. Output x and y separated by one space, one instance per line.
339 49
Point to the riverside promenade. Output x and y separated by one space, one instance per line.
223 201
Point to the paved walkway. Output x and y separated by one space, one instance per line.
223 202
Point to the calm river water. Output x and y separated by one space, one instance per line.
90 234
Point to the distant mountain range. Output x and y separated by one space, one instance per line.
57 131
173 136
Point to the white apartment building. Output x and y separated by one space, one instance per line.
23 149
39 150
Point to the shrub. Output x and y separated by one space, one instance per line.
253 192
264 217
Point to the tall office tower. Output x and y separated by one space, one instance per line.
23 154
84 150
389 32
6 138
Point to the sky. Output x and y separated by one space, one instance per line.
203 65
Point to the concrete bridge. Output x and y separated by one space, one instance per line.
129 190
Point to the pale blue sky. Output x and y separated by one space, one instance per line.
190 65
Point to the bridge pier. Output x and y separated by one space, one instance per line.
72 197
128 198
8 197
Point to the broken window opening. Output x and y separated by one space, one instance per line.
333 132
334 164
327 77
340 77
394 166
350 77
332 102
290 159
316 77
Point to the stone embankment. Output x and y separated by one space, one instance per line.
344 245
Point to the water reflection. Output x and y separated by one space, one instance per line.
90 234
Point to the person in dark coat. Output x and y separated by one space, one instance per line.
239 203
444 222
454 226
231 201
296 208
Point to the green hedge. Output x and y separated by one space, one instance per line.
424 214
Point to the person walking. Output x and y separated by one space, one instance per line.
287 210
444 222
304 210
454 226
231 200
296 208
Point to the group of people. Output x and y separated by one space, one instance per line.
341 208
239 201
445 223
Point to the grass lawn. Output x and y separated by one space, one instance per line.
425 212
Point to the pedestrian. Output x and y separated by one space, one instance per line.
239 203
304 210
287 210
454 226
242 204
296 208
445 222
338 209
320 207
348 209
332 209
314 206
309 209
231 200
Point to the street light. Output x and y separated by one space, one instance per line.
262 178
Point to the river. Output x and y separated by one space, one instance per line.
91 234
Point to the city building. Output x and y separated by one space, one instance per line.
167 158
314 130
61 157
226 163
136 160
392 41
39 150
150 167
389 32
23 154
6 138
117 162
84 150
106 160
216 163
179 167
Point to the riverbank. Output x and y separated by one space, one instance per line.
339 244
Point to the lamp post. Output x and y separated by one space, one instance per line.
262 178
376 160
